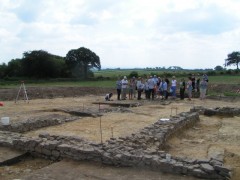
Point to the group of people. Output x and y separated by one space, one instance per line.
156 87
136 86
194 85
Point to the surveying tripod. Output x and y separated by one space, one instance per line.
23 88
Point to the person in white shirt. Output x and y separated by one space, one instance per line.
124 87
173 87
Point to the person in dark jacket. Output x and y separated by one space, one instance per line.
182 88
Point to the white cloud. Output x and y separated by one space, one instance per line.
127 33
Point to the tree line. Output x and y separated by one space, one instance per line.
41 64
78 63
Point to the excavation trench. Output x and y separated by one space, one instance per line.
210 134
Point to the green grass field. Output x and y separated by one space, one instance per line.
228 80
107 83
112 75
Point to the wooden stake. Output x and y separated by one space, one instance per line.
112 130
101 127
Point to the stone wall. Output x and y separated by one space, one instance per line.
218 111
142 149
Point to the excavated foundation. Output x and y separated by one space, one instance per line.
143 149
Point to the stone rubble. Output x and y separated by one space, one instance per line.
141 149
218 111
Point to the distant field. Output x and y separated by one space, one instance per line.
141 72
217 79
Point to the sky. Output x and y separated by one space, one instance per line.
195 34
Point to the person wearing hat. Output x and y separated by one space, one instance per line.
124 87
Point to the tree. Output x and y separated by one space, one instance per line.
233 59
133 74
81 61
3 69
41 64
14 68
218 68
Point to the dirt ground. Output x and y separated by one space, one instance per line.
209 134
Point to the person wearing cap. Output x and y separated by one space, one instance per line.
124 87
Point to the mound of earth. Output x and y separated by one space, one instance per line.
52 92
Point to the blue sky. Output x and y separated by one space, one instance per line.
124 33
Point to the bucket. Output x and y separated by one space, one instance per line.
5 120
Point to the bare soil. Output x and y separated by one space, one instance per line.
209 134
